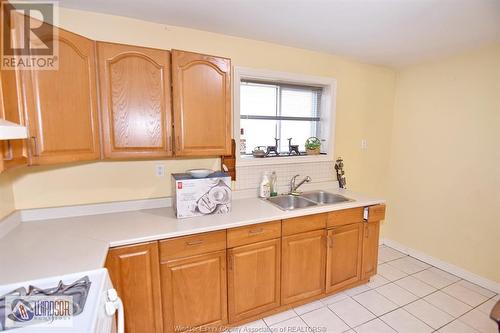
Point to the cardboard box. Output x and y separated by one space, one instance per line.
201 196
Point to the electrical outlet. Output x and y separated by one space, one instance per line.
364 144
160 170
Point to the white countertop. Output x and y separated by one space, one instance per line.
54 247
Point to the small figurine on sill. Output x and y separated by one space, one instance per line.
273 149
292 149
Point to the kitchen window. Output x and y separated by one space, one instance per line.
272 105
277 110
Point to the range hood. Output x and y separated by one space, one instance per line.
10 130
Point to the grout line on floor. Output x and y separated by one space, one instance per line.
399 307
351 328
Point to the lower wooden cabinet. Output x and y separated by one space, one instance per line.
134 271
343 258
203 281
253 279
194 292
376 213
370 249
303 266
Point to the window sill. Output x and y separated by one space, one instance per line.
250 160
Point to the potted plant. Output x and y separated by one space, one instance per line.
313 145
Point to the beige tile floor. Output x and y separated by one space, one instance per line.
406 296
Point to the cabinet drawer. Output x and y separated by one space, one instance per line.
345 216
376 213
192 245
253 233
304 223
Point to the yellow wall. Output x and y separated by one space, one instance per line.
6 196
444 178
364 109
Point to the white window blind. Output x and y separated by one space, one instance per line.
279 110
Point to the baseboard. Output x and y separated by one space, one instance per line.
456 270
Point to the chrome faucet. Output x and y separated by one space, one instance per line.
293 187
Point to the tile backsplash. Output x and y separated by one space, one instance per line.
249 177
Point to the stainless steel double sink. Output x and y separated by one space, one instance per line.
306 199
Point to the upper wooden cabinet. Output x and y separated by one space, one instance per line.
343 259
135 101
61 105
13 153
134 271
303 266
201 104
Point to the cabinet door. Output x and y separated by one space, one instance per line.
343 258
14 152
370 248
202 104
135 274
135 101
303 266
194 292
254 279
62 113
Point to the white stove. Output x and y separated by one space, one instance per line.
101 303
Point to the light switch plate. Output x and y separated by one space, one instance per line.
160 170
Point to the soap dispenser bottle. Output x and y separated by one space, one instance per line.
265 186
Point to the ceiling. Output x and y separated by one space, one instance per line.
393 33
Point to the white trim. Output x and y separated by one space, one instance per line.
38 214
9 223
453 269
328 100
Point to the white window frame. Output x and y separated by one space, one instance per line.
327 113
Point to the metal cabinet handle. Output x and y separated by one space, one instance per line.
330 241
196 242
34 151
177 143
230 262
169 143
8 154
256 231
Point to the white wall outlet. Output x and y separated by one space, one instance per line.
160 170
364 144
